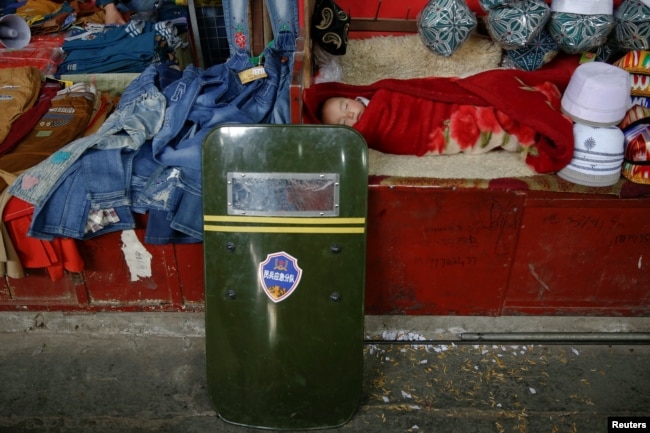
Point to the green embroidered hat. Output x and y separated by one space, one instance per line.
633 25
445 25
515 25
581 26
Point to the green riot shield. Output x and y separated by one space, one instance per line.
284 245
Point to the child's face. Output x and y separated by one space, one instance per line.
342 111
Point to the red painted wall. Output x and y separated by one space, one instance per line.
430 251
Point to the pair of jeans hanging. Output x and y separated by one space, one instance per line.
283 15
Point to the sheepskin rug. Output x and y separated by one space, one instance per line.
369 60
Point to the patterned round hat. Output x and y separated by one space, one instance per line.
607 52
515 25
633 25
445 25
539 51
581 26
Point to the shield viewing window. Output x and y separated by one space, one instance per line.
283 194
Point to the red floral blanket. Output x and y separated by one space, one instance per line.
511 109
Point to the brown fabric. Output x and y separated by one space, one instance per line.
101 112
26 122
33 10
51 25
98 17
65 121
19 90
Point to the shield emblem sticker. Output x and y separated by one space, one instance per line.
279 275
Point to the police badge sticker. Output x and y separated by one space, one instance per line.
279 275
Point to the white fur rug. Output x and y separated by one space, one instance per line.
491 165
372 59
369 60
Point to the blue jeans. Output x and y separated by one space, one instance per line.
137 118
159 231
155 190
94 172
284 49
113 50
285 24
283 16
172 197
191 102
96 181
198 102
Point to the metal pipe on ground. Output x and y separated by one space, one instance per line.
560 337
530 338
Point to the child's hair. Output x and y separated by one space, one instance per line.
319 110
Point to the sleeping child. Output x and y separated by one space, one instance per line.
506 109
447 129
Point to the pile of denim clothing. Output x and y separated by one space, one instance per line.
146 157
128 48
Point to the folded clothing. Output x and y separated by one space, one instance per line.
19 90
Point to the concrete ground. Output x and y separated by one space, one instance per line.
145 372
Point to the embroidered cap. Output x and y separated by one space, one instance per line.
597 156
